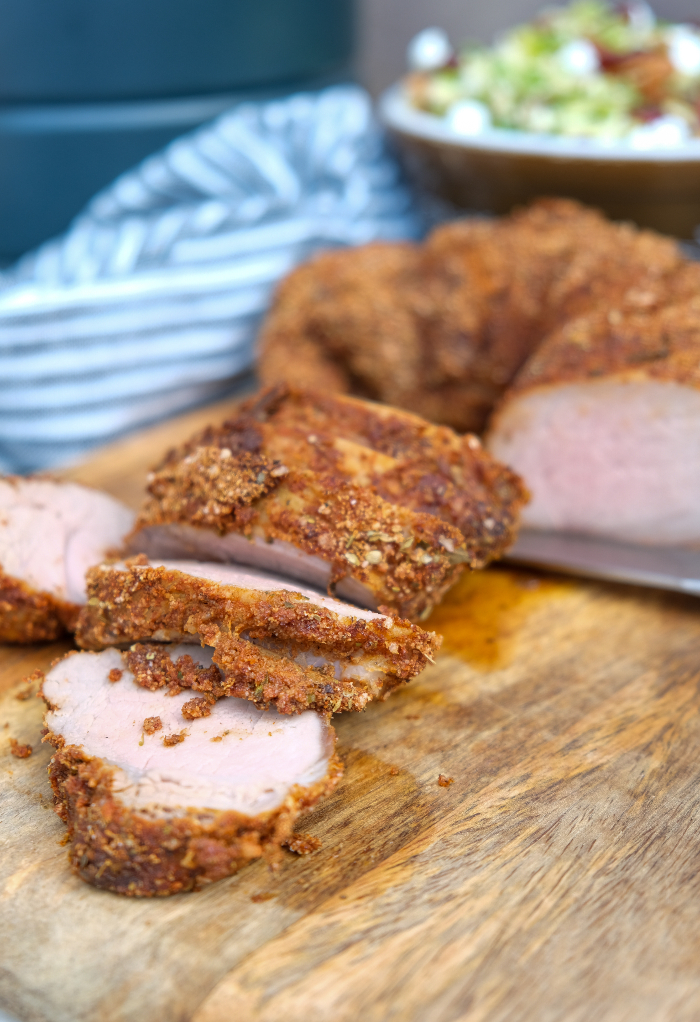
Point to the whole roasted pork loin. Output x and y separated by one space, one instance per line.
165 793
50 534
273 643
581 333
443 328
378 506
604 423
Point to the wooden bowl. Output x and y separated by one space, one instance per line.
499 169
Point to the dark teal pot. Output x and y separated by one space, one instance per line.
90 87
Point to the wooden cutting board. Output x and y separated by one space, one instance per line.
556 878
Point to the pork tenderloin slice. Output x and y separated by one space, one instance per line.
402 457
50 534
175 540
616 457
389 554
276 642
148 814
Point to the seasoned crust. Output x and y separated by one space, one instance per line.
141 855
382 496
640 339
27 615
142 603
328 518
404 459
452 321
321 309
265 677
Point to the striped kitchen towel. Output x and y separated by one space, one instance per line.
150 303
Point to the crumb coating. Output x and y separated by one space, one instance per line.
443 328
142 603
384 497
265 677
27 615
648 335
143 855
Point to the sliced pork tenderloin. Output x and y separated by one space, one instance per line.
275 643
215 505
377 505
50 534
159 799
603 424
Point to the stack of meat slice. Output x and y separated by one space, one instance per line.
195 728
274 642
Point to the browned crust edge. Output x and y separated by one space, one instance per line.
142 603
277 470
250 672
624 344
128 852
28 615
322 514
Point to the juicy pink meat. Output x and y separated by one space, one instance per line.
177 539
260 756
613 457
52 532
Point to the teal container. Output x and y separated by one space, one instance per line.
88 88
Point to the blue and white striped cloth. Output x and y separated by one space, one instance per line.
150 303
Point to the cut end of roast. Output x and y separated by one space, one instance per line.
158 800
611 457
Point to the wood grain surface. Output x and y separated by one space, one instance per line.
556 878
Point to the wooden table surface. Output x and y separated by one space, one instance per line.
556 878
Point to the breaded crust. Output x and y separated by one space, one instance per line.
262 676
384 497
29 616
442 329
642 338
405 459
128 852
324 516
143 603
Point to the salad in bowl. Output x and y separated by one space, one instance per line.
615 76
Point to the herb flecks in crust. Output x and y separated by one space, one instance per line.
136 854
385 498
260 640
211 486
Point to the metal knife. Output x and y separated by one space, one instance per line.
676 568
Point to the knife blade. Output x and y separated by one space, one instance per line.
675 568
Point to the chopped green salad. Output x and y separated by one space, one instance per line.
587 70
